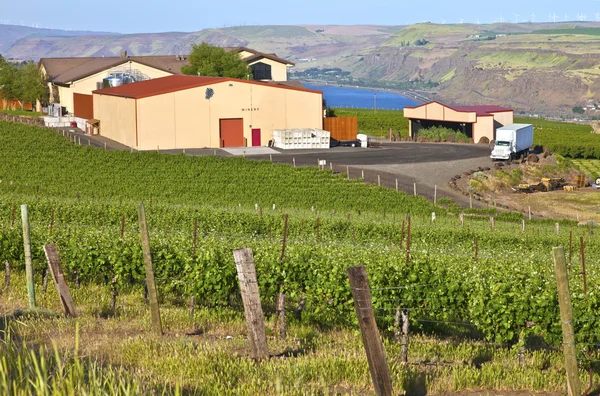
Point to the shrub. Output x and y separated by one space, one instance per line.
442 134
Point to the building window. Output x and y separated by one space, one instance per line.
261 71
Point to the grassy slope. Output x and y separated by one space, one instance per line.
430 32
328 359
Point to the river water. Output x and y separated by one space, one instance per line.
362 98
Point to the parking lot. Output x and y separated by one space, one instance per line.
426 164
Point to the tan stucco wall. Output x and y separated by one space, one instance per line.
459 116
278 70
438 112
417 113
245 54
185 119
88 84
117 118
483 127
504 118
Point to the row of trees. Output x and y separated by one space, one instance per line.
21 83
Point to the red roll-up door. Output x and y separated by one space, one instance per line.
232 132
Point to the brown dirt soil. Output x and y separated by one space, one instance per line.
581 204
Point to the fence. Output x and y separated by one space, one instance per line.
36 121
341 128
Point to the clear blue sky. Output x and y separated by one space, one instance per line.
135 16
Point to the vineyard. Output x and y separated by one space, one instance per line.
464 277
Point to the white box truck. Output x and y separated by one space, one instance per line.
512 141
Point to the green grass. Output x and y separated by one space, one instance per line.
588 31
428 31
19 112
529 60
590 167
115 353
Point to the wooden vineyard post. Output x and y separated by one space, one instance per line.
529 211
379 180
408 241
415 189
397 319
405 325
582 252
570 247
461 217
280 315
150 284
435 195
59 280
396 185
556 228
523 225
491 223
28 262
362 174
361 294
348 172
244 262
471 201
14 214
318 228
566 317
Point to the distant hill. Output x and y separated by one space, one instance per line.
9 34
541 67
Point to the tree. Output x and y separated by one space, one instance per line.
209 60
578 110
22 83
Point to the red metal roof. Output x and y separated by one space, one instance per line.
479 110
164 85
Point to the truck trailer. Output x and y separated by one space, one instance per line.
512 141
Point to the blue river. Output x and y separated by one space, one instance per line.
362 98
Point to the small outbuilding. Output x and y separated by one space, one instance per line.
474 121
177 112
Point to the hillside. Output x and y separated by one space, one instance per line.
541 67
9 34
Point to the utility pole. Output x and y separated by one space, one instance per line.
374 102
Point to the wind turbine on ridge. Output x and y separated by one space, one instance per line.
516 18
533 17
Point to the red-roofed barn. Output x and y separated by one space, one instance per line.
177 112
474 121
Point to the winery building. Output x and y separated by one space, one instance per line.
476 122
72 80
177 112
